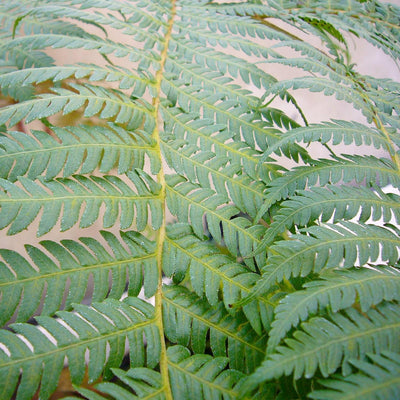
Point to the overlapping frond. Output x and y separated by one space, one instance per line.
334 132
334 203
341 245
369 170
334 291
197 376
378 378
95 99
137 83
189 320
73 149
65 281
329 344
62 200
266 276
41 356
192 203
213 273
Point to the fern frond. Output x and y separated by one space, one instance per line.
328 246
23 282
22 57
96 100
214 137
335 132
362 18
190 202
343 169
378 378
208 170
335 290
201 376
126 79
103 46
351 16
329 344
328 88
141 383
41 357
73 149
21 205
40 15
218 61
196 376
336 202
188 319
211 272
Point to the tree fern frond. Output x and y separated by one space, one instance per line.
23 282
198 75
216 138
96 100
335 132
378 378
103 46
41 357
191 203
188 319
21 205
43 14
23 57
350 16
73 149
343 169
328 246
329 345
218 61
126 80
209 171
375 18
196 376
335 290
329 88
141 383
336 202
212 272
201 376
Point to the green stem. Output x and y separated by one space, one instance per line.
161 234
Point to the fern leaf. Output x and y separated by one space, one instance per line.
338 203
95 99
197 376
329 345
126 79
335 290
328 246
244 348
23 57
103 46
340 169
41 357
208 170
21 205
72 150
214 137
378 379
141 383
40 15
23 283
209 270
190 202
336 131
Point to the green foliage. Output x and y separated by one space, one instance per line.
225 259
